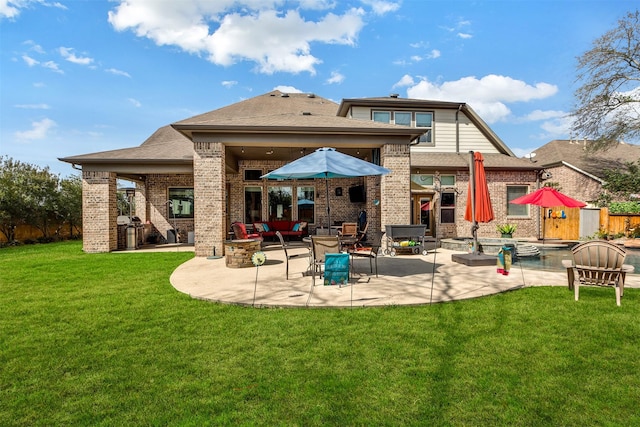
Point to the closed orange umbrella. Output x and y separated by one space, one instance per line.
479 207
478 199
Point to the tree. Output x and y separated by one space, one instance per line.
70 203
34 196
609 94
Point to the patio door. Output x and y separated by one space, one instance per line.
423 211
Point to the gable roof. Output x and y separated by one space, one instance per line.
575 154
394 101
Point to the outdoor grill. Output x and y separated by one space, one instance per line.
132 228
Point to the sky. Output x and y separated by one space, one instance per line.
82 76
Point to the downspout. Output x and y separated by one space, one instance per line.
458 130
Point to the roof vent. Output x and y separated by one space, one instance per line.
306 113
394 95
285 95
311 95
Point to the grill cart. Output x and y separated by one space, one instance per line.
405 239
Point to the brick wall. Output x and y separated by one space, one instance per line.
395 206
209 209
99 212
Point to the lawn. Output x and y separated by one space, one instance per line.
103 339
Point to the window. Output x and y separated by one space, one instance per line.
513 192
402 118
448 208
280 200
425 120
252 174
252 204
306 204
382 116
422 180
447 180
181 202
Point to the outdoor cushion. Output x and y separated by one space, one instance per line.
259 227
265 226
296 227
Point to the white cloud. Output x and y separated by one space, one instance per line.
30 61
117 72
488 95
336 78
287 89
135 102
33 106
381 7
227 31
229 83
406 80
11 8
464 35
39 130
52 66
68 54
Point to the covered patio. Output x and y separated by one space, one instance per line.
402 280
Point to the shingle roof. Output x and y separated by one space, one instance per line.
576 154
299 112
165 145
461 161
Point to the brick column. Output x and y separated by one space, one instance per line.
395 206
99 212
209 189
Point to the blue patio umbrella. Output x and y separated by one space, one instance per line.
326 163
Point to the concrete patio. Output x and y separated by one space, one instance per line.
402 280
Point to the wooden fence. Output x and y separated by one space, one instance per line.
568 227
615 224
27 232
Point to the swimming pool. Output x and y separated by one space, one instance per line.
550 259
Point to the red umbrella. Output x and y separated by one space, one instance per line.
548 197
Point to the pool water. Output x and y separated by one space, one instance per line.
551 260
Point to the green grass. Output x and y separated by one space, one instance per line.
104 339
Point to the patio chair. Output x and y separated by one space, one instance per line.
597 263
240 232
369 250
349 229
287 255
321 245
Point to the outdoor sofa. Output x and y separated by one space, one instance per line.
288 229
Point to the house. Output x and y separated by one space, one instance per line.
578 172
201 174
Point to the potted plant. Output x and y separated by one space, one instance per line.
506 230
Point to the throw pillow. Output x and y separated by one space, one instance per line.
266 227
259 227
303 224
296 226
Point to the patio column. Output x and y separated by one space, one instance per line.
395 188
209 194
99 212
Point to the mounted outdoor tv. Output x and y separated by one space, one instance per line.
357 194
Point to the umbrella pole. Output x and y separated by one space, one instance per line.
326 180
